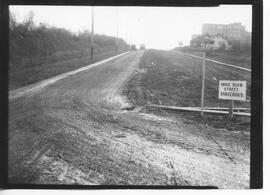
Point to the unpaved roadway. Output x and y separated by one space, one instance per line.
74 132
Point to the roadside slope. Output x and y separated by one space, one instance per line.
40 51
171 79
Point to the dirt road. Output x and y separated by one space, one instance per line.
75 132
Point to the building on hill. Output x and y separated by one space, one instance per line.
215 43
210 42
235 32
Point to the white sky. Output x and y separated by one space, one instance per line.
157 27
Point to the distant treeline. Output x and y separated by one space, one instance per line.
32 41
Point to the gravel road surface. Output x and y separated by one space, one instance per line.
75 132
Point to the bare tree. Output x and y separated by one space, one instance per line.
12 21
29 21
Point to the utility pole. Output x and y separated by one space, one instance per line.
116 41
92 35
203 83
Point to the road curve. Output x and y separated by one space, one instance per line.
74 132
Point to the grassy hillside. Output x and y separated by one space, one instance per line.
40 52
171 79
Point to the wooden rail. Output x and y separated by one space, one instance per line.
222 108
216 110
215 61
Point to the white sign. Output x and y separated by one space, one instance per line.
232 90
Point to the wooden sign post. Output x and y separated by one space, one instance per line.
231 108
232 90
